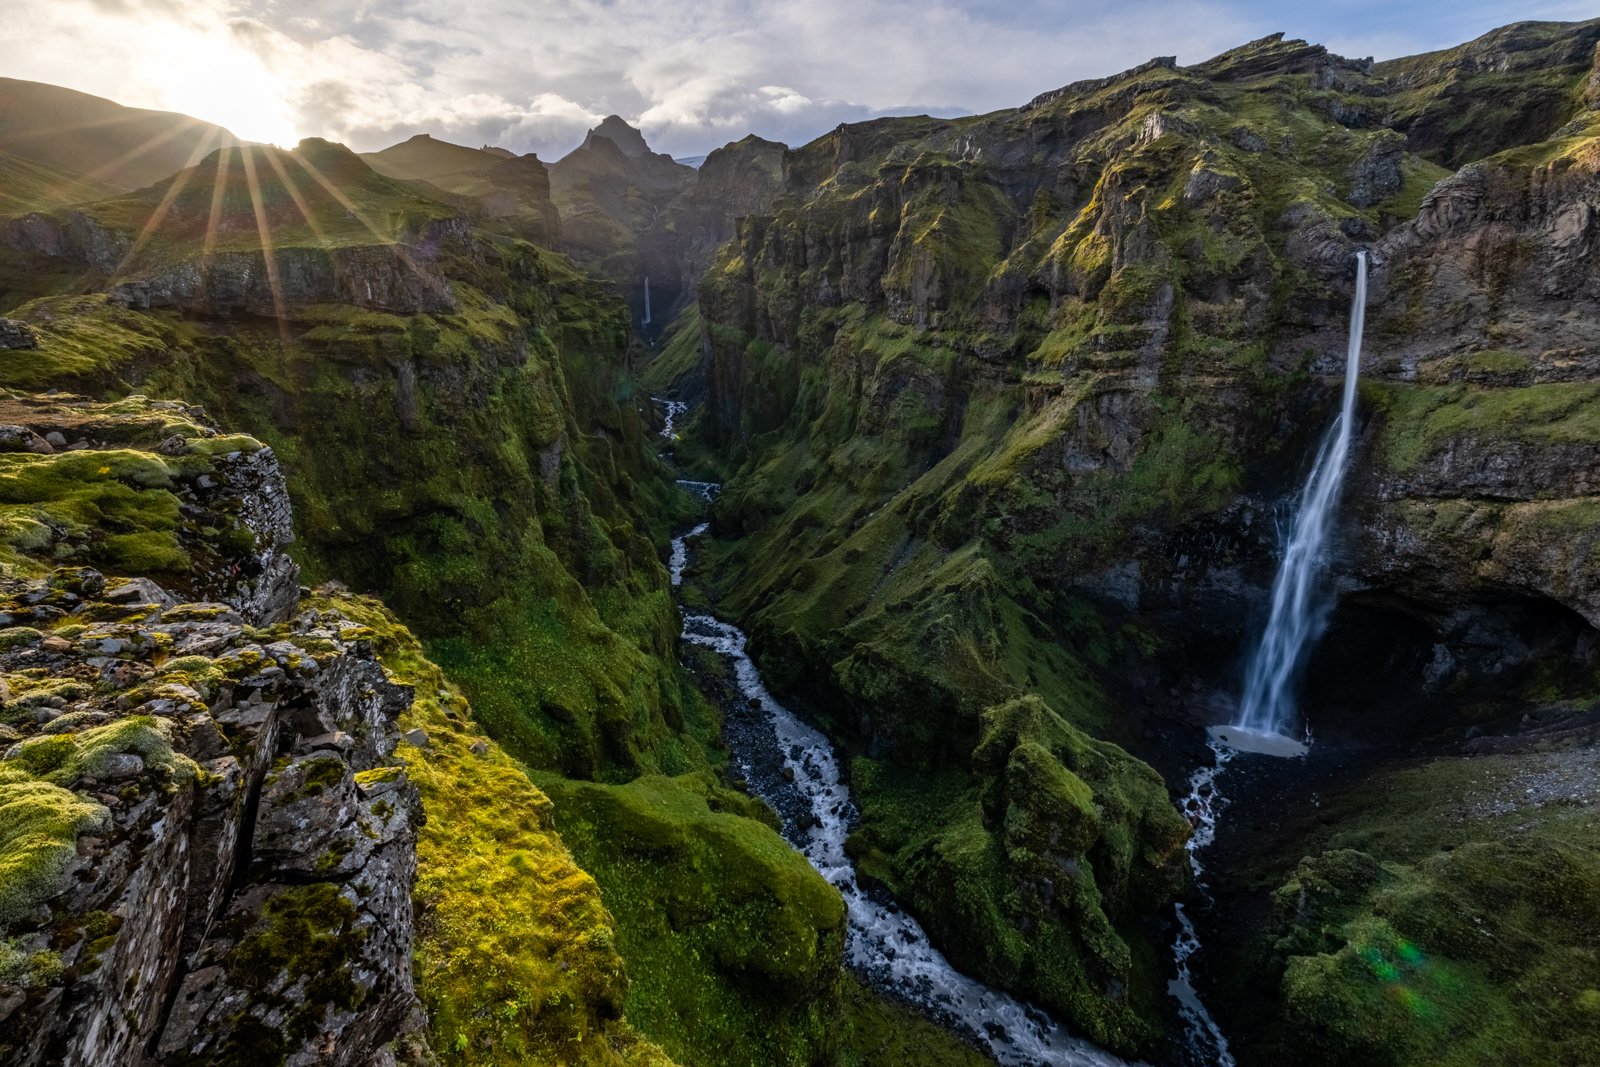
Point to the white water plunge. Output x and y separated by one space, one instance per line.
886 945
1267 709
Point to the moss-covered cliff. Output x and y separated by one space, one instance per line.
1006 405
457 428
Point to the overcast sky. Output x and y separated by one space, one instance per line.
533 76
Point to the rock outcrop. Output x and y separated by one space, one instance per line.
239 884
207 513
14 335
208 845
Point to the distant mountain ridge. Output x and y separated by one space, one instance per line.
88 136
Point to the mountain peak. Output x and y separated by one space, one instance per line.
629 140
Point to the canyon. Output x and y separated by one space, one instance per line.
461 609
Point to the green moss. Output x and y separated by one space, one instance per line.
1434 914
679 363
65 759
378 775
1498 362
39 827
516 958
19 636
1027 870
877 1031
732 939
1420 420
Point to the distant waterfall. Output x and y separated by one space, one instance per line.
1297 615
646 321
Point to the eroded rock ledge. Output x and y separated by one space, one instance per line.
207 847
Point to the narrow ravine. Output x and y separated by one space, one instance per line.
1202 805
884 944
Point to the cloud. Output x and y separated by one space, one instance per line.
693 75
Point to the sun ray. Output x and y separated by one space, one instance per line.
399 249
179 182
300 203
53 131
219 189
264 232
144 148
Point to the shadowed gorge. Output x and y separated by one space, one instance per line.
463 609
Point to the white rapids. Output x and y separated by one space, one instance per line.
883 943
680 553
1202 806
671 409
706 491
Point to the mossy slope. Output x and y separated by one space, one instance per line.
998 397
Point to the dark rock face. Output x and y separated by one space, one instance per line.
15 335
211 846
246 889
394 279
519 186
624 137
1510 86
233 283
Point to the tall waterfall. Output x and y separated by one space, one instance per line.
646 321
1298 614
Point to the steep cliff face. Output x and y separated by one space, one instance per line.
1010 403
453 412
215 846
209 844
1484 473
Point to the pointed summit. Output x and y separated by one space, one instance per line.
619 133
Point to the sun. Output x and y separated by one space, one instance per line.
212 78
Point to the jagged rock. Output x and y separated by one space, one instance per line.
140 591
626 139
214 864
1204 184
15 335
1376 176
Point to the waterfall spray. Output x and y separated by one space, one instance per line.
1267 709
